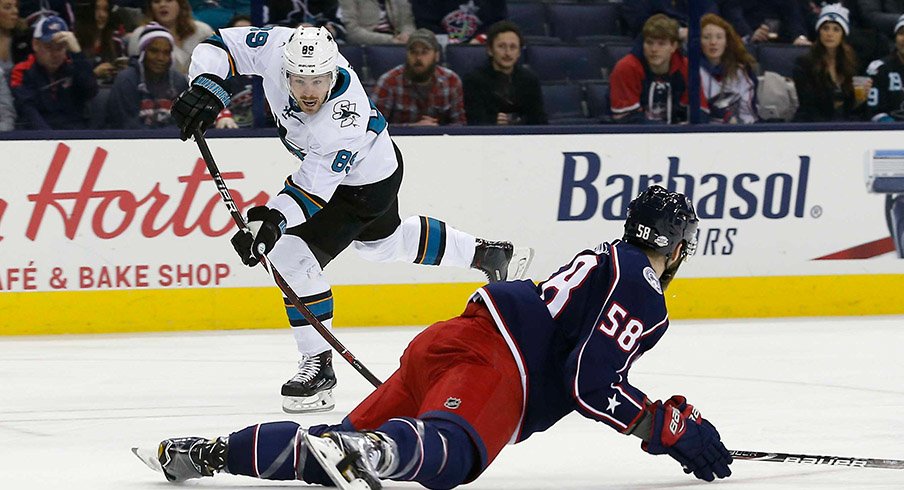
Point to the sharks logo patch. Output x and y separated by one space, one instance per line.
344 112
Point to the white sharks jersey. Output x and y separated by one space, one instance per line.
345 142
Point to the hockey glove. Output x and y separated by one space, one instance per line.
198 107
265 226
680 432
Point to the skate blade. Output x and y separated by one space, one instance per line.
321 402
328 455
148 457
521 259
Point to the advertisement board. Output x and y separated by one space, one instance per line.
126 235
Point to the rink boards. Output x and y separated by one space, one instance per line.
130 235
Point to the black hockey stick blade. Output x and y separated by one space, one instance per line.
891 464
280 282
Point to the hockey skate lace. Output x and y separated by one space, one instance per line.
308 367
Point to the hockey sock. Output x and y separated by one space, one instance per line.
436 453
275 451
440 244
308 340
264 451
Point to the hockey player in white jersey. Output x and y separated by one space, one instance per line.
344 191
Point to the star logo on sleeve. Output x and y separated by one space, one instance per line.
612 404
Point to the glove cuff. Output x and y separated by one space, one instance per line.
214 85
270 216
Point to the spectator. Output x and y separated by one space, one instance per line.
7 109
217 13
727 73
649 85
53 86
100 38
880 14
421 92
377 21
775 20
824 77
636 13
886 98
176 17
15 42
457 21
142 94
502 91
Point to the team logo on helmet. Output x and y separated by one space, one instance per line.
650 275
452 403
344 111
661 241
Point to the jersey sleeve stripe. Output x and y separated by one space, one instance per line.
216 40
309 204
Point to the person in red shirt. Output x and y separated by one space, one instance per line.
421 92
649 85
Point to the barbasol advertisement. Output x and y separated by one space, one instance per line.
118 214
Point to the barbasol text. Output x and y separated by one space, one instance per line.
715 195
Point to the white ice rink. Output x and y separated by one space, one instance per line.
70 407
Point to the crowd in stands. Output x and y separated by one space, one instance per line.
117 64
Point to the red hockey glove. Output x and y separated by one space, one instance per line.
680 431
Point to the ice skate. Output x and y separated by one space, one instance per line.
501 261
185 458
311 390
354 460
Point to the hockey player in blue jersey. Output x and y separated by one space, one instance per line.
343 193
520 357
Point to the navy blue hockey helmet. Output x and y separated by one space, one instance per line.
660 220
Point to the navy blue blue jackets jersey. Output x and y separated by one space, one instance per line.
575 335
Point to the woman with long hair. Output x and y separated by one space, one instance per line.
727 73
15 44
824 77
176 17
99 37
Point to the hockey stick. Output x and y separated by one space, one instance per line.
894 464
280 282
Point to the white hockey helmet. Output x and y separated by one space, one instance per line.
310 51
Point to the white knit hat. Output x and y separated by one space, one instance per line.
153 31
899 24
834 12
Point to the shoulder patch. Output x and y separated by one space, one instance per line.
346 113
650 275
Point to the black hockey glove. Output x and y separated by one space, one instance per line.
266 226
681 432
198 107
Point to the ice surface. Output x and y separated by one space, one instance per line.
72 406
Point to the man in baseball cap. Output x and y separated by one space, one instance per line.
52 86
421 92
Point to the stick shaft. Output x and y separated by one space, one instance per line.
811 459
280 282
